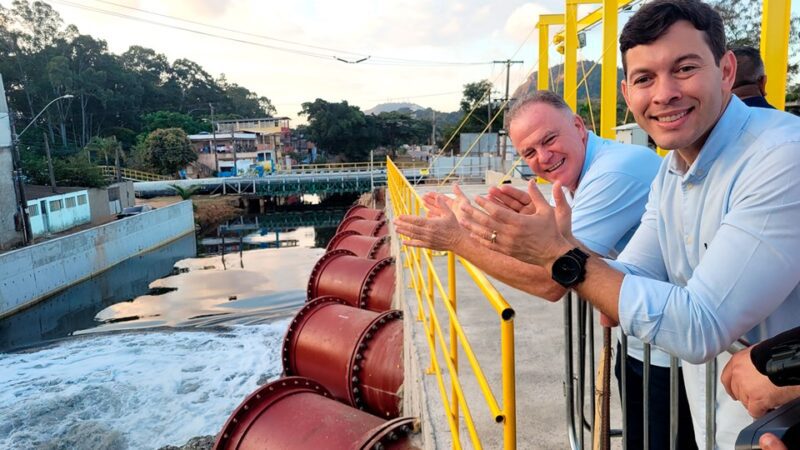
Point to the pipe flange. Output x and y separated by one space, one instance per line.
339 237
320 264
262 399
381 240
384 434
297 323
378 226
367 284
354 210
346 221
357 359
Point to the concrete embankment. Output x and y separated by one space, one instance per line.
34 273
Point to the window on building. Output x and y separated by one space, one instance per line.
55 205
33 210
82 199
70 202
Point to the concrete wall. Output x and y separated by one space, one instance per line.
58 212
31 274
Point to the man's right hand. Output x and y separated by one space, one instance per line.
438 231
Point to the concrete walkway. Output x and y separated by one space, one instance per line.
540 360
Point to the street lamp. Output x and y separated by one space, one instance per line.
22 207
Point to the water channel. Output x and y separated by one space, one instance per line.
160 348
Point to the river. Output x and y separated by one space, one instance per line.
129 361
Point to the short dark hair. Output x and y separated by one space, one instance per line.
749 66
654 19
532 98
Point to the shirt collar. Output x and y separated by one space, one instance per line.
592 142
726 131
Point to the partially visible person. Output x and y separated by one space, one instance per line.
747 379
751 80
608 183
769 441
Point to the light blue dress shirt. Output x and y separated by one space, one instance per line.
609 202
611 195
717 255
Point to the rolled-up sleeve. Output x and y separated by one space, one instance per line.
749 269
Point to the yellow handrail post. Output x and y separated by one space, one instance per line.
608 86
509 383
775 18
570 93
451 285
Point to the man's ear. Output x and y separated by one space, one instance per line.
623 86
762 85
727 65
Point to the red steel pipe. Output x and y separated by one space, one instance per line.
297 413
364 212
363 283
362 246
377 228
355 353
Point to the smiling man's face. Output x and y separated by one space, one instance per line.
675 90
552 141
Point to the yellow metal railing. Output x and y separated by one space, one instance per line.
110 172
426 282
354 166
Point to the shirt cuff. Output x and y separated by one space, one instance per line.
641 306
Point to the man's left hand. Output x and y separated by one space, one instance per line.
532 238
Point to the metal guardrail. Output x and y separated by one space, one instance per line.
110 173
426 282
581 353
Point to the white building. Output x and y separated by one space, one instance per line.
53 213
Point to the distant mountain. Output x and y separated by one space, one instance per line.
389 107
557 80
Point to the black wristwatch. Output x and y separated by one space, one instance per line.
570 268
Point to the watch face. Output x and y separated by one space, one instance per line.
566 270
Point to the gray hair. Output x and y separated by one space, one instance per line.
536 97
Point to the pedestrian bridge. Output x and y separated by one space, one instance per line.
311 179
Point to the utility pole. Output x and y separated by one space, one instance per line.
433 130
504 132
22 202
214 140
49 163
117 169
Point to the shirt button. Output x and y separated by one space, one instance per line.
688 240
689 186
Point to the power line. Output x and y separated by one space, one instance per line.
376 59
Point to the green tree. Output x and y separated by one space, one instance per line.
170 119
742 20
397 128
169 150
475 99
341 129
103 149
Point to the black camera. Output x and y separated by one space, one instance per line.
783 369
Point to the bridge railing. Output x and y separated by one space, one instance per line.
426 283
110 173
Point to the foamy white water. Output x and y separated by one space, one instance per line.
139 390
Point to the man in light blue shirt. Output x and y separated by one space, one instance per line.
717 254
608 183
